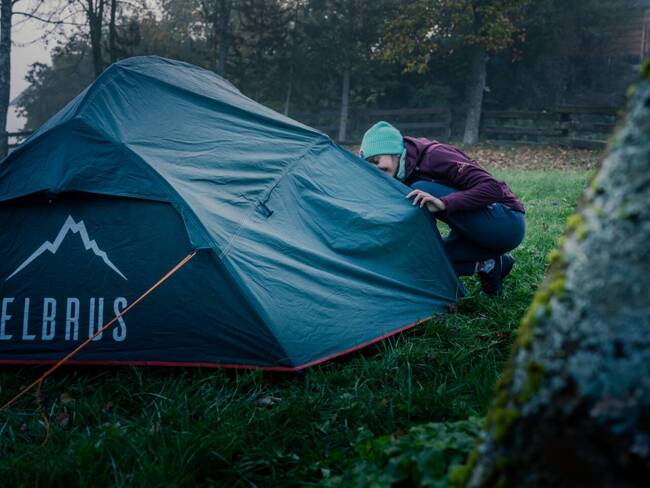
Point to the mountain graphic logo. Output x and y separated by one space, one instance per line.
76 228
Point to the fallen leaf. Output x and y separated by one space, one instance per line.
62 419
66 398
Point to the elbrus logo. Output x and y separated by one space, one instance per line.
62 318
76 228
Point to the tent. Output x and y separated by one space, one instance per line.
304 251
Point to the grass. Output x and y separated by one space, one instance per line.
168 427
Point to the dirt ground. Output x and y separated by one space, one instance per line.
493 156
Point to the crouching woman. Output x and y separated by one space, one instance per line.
485 217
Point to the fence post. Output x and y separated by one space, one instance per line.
447 121
4 144
565 126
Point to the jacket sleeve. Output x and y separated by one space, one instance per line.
478 188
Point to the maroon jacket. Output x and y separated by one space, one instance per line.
448 165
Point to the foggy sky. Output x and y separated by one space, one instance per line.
23 54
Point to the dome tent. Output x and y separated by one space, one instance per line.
305 251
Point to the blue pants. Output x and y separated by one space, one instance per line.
476 235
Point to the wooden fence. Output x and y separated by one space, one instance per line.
15 138
431 122
580 127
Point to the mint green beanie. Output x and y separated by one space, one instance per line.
381 138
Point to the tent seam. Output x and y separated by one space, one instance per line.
265 195
95 88
258 310
126 66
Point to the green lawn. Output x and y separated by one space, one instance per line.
168 427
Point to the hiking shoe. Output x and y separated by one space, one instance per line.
507 262
492 281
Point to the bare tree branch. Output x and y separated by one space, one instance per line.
46 20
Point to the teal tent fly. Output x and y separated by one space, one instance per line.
304 251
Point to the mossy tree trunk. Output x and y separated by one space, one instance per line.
573 406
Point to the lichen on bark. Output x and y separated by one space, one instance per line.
574 405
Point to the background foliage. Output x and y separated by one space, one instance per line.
292 54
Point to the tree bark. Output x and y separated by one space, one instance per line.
573 407
225 8
95 14
292 54
287 99
112 34
6 11
345 99
475 98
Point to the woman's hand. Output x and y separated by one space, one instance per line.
423 198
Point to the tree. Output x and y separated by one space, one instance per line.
216 15
94 19
6 13
225 8
473 28
137 32
179 33
573 407
261 59
51 87
112 33
345 32
572 53
94 12
292 42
